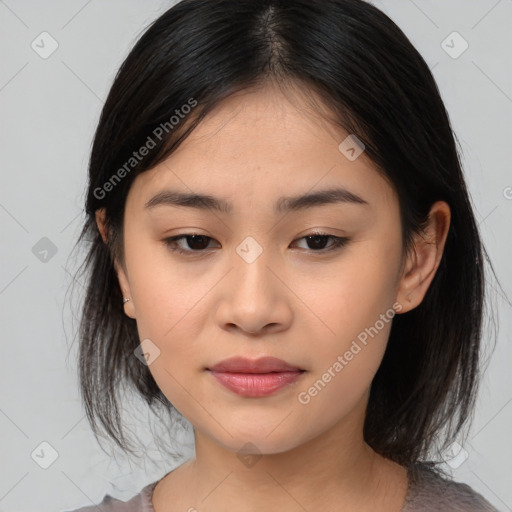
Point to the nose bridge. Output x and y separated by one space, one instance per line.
254 298
251 271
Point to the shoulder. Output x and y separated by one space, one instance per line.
429 490
139 503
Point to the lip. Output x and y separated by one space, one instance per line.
255 378
246 365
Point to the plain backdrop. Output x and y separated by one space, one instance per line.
49 107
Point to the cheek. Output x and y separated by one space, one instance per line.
345 363
168 297
356 315
354 295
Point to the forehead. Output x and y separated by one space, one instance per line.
262 144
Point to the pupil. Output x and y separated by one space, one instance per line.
194 239
315 239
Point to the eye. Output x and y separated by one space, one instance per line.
318 241
196 242
199 243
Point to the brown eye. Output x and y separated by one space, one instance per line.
317 242
195 243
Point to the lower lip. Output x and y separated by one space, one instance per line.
256 384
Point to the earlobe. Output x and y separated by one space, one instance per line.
125 290
121 275
424 258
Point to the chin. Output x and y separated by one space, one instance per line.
257 442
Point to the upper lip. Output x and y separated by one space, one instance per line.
245 365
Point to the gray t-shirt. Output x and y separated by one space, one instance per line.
427 492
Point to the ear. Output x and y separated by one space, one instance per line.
120 271
424 258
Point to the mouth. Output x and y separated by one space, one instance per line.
255 378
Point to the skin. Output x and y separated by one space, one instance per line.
295 302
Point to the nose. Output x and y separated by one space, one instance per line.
253 298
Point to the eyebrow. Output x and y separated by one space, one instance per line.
283 205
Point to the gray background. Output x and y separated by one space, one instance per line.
49 108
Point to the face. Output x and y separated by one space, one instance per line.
258 280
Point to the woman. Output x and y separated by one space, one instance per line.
284 252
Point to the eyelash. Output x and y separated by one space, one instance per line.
339 243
